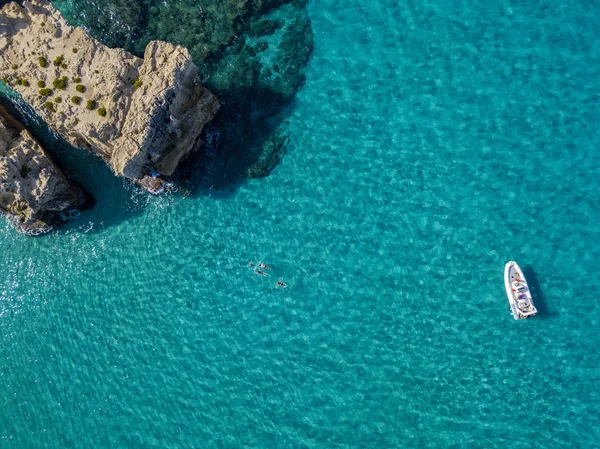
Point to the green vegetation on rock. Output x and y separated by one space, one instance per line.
74 50
43 62
91 104
41 84
60 83
58 100
80 88
63 66
14 66
49 106
58 61
45 92
76 100
136 83
102 112
76 79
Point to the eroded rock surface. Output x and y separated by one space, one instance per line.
33 191
141 115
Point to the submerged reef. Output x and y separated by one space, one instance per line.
34 193
141 115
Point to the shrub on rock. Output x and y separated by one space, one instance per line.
60 83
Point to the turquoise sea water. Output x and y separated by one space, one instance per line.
431 143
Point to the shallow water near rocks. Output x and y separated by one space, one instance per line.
427 147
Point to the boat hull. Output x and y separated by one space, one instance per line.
517 292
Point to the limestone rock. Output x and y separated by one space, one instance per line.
144 115
33 191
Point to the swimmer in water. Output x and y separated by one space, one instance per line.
262 265
280 283
251 264
262 273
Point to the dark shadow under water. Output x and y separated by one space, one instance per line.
251 148
539 300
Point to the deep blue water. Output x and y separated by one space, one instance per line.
431 143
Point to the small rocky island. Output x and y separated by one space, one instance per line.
142 116
34 191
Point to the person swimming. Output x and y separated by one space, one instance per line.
280 283
262 273
262 265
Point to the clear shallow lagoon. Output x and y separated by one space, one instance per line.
428 146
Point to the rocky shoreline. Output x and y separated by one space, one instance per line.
34 193
142 116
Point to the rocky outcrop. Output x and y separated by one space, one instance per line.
140 115
33 191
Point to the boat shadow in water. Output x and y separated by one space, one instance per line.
539 300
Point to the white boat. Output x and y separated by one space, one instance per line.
517 290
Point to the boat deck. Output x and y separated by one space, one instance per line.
517 290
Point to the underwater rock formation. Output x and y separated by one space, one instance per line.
33 191
117 22
140 115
